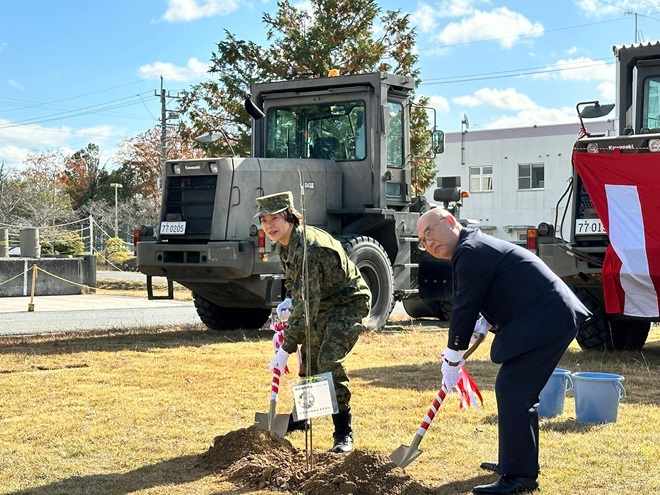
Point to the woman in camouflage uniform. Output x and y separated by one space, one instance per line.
339 302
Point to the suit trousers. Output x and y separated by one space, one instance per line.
517 388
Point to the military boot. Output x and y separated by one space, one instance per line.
343 435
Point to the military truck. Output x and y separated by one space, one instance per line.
596 265
348 137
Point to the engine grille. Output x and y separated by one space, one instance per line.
193 198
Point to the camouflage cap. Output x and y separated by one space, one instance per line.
275 203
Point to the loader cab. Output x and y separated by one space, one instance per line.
360 122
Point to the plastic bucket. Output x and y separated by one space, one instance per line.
597 396
551 400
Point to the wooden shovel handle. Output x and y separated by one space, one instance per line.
474 346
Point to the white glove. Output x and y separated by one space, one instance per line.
279 361
284 309
482 327
451 373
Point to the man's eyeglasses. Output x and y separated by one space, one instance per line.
428 235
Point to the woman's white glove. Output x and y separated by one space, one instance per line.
451 368
284 309
279 361
482 327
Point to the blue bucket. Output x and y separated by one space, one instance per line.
551 400
597 396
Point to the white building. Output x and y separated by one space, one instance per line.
515 177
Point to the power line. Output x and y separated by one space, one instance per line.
514 73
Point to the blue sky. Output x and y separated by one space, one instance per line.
75 72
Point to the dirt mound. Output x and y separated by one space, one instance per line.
252 457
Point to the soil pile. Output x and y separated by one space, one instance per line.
252 457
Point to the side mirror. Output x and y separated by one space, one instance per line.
253 110
438 142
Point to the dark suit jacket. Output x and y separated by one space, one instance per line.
514 290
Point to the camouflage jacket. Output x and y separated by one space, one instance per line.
333 279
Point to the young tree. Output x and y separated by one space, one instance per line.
305 42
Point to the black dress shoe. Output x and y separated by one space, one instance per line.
489 466
506 485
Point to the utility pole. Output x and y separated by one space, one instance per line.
164 117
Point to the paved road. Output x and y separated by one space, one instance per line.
86 312
56 314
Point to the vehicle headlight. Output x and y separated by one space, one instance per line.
176 168
213 167
654 145
592 148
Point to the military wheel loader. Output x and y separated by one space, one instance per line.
349 138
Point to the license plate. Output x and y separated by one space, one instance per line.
173 228
589 226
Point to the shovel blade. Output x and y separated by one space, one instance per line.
277 423
404 455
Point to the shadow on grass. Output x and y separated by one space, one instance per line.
177 471
463 486
120 340
423 377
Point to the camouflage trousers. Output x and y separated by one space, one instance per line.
332 338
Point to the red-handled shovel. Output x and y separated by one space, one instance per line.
404 455
270 421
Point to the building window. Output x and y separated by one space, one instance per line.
530 176
481 178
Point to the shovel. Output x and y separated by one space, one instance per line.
270 421
404 455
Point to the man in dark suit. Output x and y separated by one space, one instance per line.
534 316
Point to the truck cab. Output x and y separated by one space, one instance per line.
603 164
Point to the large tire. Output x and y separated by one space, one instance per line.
629 335
423 308
602 333
218 318
374 265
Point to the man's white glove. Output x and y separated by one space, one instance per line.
279 361
482 327
451 367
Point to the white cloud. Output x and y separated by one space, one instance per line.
192 71
607 91
189 10
585 69
457 8
17 141
440 103
507 99
15 84
598 8
500 24
537 116
424 18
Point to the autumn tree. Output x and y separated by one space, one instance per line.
83 176
305 42
140 168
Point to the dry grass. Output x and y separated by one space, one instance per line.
130 412
138 288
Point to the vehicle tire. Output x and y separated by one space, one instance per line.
375 267
629 335
422 308
594 334
218 318
602 333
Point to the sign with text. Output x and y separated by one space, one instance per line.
314 397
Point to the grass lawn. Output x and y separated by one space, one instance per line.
130 412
